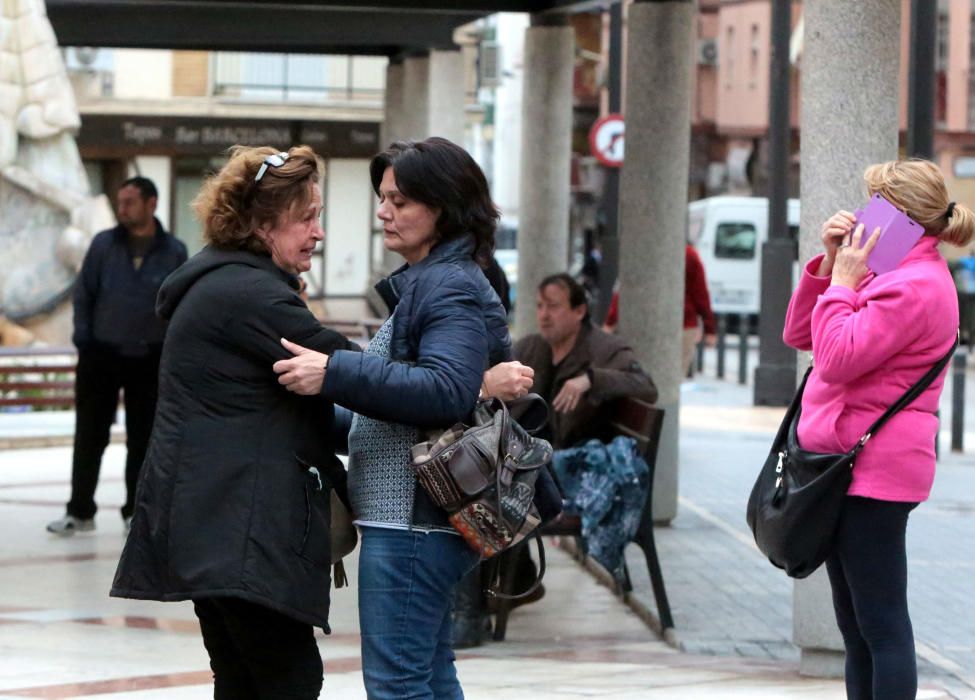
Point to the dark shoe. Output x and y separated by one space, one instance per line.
470 631
469 615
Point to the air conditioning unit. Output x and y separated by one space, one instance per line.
488 64
707 52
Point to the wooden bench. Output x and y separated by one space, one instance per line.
37 377
643 422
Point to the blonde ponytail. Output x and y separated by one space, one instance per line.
961 226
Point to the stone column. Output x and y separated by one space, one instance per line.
393 117
546 149
395 128
446 96
653 211
848 122
416 97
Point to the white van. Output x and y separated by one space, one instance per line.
728 233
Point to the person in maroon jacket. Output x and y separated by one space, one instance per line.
697 305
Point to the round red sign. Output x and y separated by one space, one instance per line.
606 140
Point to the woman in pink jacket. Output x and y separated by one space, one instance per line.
873 337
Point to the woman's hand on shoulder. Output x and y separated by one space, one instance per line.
836 227
305 372
850 267
507 381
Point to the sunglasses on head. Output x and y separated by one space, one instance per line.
275 160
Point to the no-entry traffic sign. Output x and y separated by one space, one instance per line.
606 140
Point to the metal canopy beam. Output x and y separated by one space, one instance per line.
378 27
252 26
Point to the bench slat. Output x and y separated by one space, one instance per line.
67 401
21 386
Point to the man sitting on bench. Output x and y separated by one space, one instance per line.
578 369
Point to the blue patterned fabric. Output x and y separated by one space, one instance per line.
607 485
381 481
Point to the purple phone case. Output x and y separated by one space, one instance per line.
898 233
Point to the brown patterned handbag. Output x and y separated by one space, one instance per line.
484 476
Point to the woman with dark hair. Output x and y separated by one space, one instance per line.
423 370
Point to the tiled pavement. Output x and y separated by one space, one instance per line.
61 636
727 600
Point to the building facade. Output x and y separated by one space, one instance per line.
172 115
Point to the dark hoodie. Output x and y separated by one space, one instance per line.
233 498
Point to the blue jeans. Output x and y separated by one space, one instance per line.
406 584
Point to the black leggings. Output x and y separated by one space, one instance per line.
868 575
257 653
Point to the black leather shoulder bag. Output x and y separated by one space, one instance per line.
795 504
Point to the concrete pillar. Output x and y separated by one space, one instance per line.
546 149
395 128
393 116
446 96
847 124
433 97
416 97
653 211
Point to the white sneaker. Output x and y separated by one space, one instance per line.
68 525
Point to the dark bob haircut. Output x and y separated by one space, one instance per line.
442 175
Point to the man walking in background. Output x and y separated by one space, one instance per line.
119 341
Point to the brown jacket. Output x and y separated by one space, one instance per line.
613 371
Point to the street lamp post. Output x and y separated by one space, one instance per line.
775 376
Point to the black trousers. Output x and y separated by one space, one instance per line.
100 375
257 653
868 575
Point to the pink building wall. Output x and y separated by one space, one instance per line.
959 65
743 65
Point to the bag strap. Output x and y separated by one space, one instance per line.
909 395
495 589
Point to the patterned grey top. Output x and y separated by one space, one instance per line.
381 480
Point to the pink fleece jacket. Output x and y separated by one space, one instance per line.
869 346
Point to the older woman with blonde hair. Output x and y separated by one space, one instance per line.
232 509
872 338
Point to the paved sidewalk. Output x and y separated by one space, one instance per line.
61 636
728 600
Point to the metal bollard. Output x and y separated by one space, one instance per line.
721 345
958 367
743 348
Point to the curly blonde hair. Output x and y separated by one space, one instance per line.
917 187
233 205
